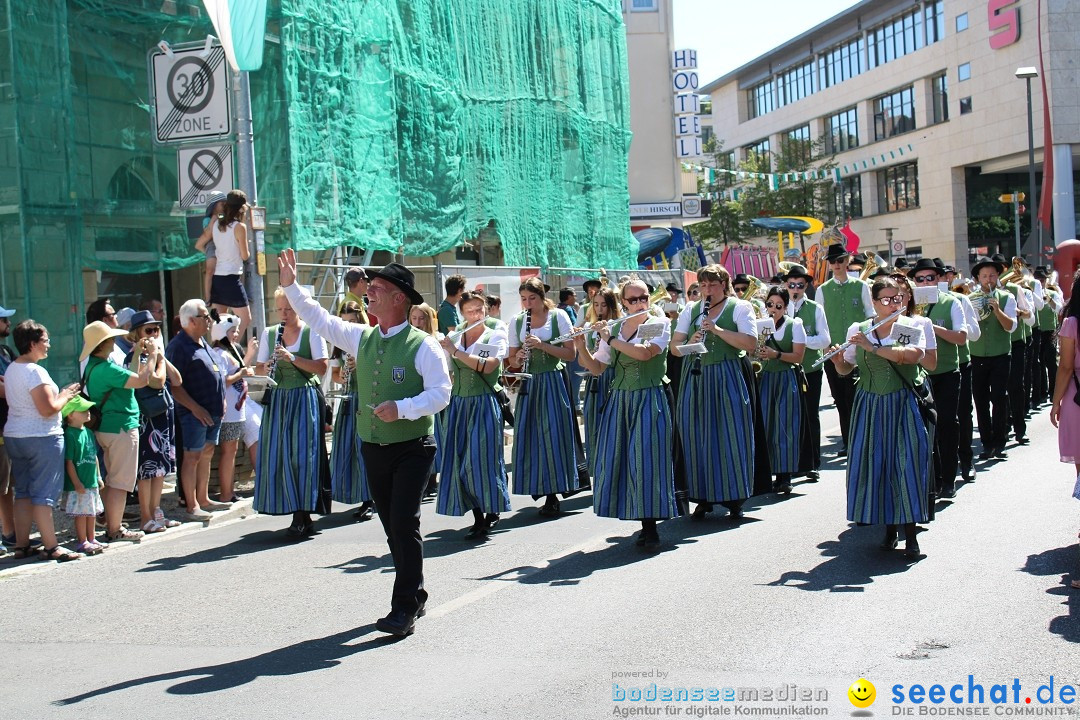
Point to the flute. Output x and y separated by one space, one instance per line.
585 330
455 336
841 348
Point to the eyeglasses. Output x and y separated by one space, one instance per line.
151 330
636 300
775 306
741 288
925 278
891 300
204 316
837 262
796 286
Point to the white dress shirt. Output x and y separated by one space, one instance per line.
819 340
603 352
743 315
886 341
430 362
971 320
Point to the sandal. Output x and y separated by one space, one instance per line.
87 548
124 535
59 554
152 526
22 552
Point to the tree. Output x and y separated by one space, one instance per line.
798 193
725 224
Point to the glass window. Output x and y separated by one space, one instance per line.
761 99
961 22
940 89
898 188
643 5
894 113
760 148
840 63
795 84
841 131
846 199
963 72
965 105
935 22
905 34
798 148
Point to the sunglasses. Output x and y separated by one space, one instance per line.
636 300
891 300
152 330
925 278
796 285
837 262
775 306
741 288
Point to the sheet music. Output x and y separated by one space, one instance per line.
692 349
904 334
649 331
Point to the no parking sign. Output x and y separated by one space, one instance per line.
202 171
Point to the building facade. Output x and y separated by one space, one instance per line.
921 104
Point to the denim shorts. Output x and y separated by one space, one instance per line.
196 435
37 466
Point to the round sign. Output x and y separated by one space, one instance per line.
190 84
691 206
204 170
898 247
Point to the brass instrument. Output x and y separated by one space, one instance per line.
758 354
980 300
873 262
1014 274
753 289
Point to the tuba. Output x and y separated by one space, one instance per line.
873 262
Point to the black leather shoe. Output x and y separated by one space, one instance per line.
550 509
1000 453
422 610
364 512
968 474
947 493
477 531
986 454
813 476
1022 440
492 520
398 622
891 541
911 549
700 511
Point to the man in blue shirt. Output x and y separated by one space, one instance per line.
448 310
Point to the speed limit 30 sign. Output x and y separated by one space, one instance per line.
191 97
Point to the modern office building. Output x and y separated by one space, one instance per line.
921 103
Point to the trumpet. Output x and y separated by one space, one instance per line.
873 262
585 330
841 348
1014 274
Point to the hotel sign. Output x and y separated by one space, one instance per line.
684 82
653 210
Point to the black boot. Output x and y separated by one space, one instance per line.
890 541
911 541
480 526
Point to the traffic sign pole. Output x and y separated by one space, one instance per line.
245 166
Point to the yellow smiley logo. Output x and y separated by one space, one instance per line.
862 693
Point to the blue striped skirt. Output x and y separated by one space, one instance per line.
291 445
597 390
781 410
634 467
472 474
888 460
347 471
543 456
716 427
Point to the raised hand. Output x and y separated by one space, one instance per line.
287 267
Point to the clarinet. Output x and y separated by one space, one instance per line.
523 376
348 364
705 307
271 367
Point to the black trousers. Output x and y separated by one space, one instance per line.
1029 366
1018 404
964 423
843 392
813 418
989 381
397 474
946 389
1042 383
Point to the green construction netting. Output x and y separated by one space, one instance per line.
401 125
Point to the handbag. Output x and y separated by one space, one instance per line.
797 368
501 397
152 402
1076 383
923 398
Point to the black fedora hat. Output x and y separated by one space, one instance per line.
740 279
592 282
672 287
924 264
836 251
797 271
858 259
987 262
402 277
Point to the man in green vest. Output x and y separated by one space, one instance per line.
816 325
1018 402
965 409
990 357
401 382
1042 387
950 327
846 300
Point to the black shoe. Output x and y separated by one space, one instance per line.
911 549
640 541
398 622
735 512
550 509
842 452
782 487
891 541
947 493
1000 453
813 476
701 510
477 531
492 520
968 474
987 453
364 513
652 540
421 610
1022 440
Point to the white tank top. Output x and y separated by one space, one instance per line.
229 261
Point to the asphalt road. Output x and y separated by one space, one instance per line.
547 617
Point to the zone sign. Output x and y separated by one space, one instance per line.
191 94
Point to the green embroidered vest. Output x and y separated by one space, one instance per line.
718 350
879 376
994 340
389 373
1046 318
808 314
631 374
539 361
286 375
775 365
843 306
1022 331
467 381
948 353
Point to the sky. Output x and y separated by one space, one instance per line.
730 33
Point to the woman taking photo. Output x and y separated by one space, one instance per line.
34 440
715 418
470 464
292 475
157 453
605 305
347 472
889 456
544 457
781 390
634 478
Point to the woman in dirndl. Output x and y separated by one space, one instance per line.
634 466
544 458
605 306
292 472
889 454
472 474
348 476
781 392
714 418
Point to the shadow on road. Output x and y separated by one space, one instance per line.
302 657
854 561
1061 561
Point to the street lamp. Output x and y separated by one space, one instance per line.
1026 73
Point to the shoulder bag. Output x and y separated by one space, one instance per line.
95 411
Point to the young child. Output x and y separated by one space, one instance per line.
82 501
